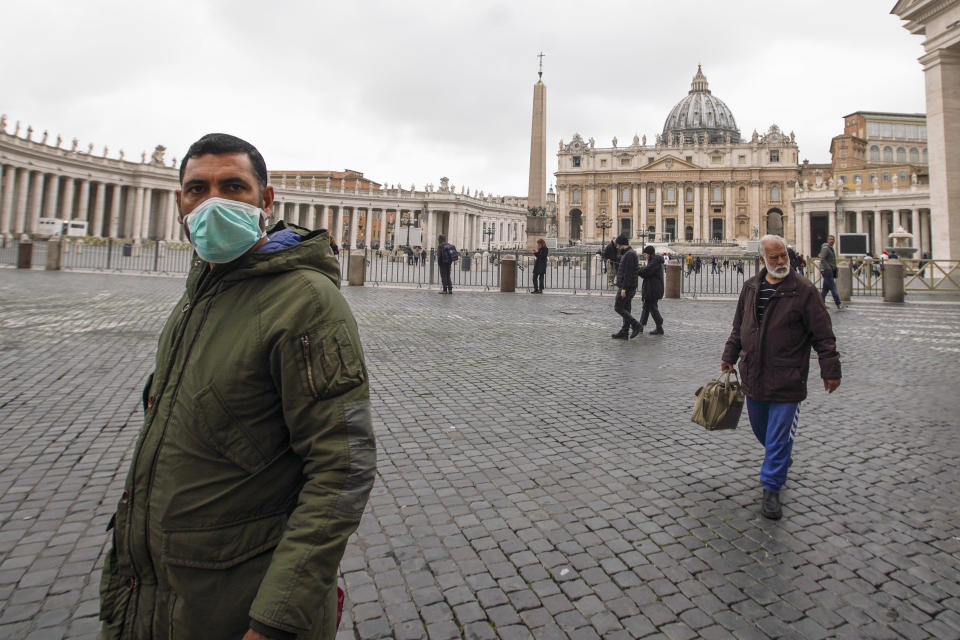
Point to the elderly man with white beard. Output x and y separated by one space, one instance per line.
780 316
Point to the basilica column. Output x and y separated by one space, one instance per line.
325 217
877 232
20 213
115 213
642 211
7 204
368 227
697 214
96 219
354 222
754 208
589 220
337 224
170 228
431 228
137 214
37 195
659 207
728 230
51 193
66 202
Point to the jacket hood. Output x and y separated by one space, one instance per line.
313 252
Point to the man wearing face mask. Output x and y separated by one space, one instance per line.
779 317
257 453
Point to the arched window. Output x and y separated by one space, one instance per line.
603 195
688 196
888 154
575 197
775 193
688 233
914 154
742 194
874 153
901 154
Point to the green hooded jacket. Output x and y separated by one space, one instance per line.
255 460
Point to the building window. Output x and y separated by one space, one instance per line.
888 154
901 154
774 155
742 194
874 153
914 154
775 193
717 194
671 194
624 162
603 195
651 195
689 158
872 177
885 176
688 233
688 195
857 178
649 159
625 195
843 179
603 163
716 159
903 176
576 161
575 198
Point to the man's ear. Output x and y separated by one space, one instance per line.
267 199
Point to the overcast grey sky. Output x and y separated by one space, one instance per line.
411 91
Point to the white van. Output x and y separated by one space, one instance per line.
49 226
76 228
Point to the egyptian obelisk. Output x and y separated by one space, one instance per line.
537 191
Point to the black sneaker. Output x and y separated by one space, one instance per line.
770 508
657 332
637 330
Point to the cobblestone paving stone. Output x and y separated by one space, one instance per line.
537 479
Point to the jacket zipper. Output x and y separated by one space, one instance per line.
305 343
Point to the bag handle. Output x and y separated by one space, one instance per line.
726 380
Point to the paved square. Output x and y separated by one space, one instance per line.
536 478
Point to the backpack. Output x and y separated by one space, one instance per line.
450 253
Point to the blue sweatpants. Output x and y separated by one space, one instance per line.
775 425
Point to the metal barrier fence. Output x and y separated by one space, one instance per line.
717 275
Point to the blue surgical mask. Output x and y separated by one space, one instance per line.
222 230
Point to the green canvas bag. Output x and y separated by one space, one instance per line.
719 403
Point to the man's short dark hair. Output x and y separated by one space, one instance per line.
622 240
221 143
441 239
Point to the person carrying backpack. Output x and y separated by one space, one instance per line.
446 255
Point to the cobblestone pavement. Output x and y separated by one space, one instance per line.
536 479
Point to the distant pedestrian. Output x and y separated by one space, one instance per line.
446 256
794 259
714 268
611 259
922 264
740 266
626 282
539 266
779 317
697 264
652 289
689 262
828 270
334 247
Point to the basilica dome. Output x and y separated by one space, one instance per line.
700 116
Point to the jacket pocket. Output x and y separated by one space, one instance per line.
115 594
788 375
229 436
330 361
225 546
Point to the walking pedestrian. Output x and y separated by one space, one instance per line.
828 270
539 266
689 262
611 257
626 282
652 289
779 317
713 266
446 256
256 455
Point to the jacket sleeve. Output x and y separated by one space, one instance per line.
731 351
319 369
824 252
820 329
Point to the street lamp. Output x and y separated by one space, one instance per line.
603 223
488 234
405 221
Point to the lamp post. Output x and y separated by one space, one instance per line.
603 223
488 234
405 223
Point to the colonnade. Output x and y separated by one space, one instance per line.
877 223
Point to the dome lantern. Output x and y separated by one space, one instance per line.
700 117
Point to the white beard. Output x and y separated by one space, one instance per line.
777 272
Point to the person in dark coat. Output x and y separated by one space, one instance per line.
652 289
539 266
626 283
779 317
446 256
611 255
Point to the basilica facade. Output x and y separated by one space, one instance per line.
699 181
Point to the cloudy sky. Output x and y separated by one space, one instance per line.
410 91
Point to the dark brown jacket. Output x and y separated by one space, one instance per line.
775 355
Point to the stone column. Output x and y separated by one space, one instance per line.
20 213
942 77
642 222
697 214
754 207
659 207
634 198
338 224
354 221
170 227
589 217
730 221
6 205
51 193
325 217
37 194
96 218
115 213
877 234
368 227
147 219
805 233
83 204
431 228
137 226
66 202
